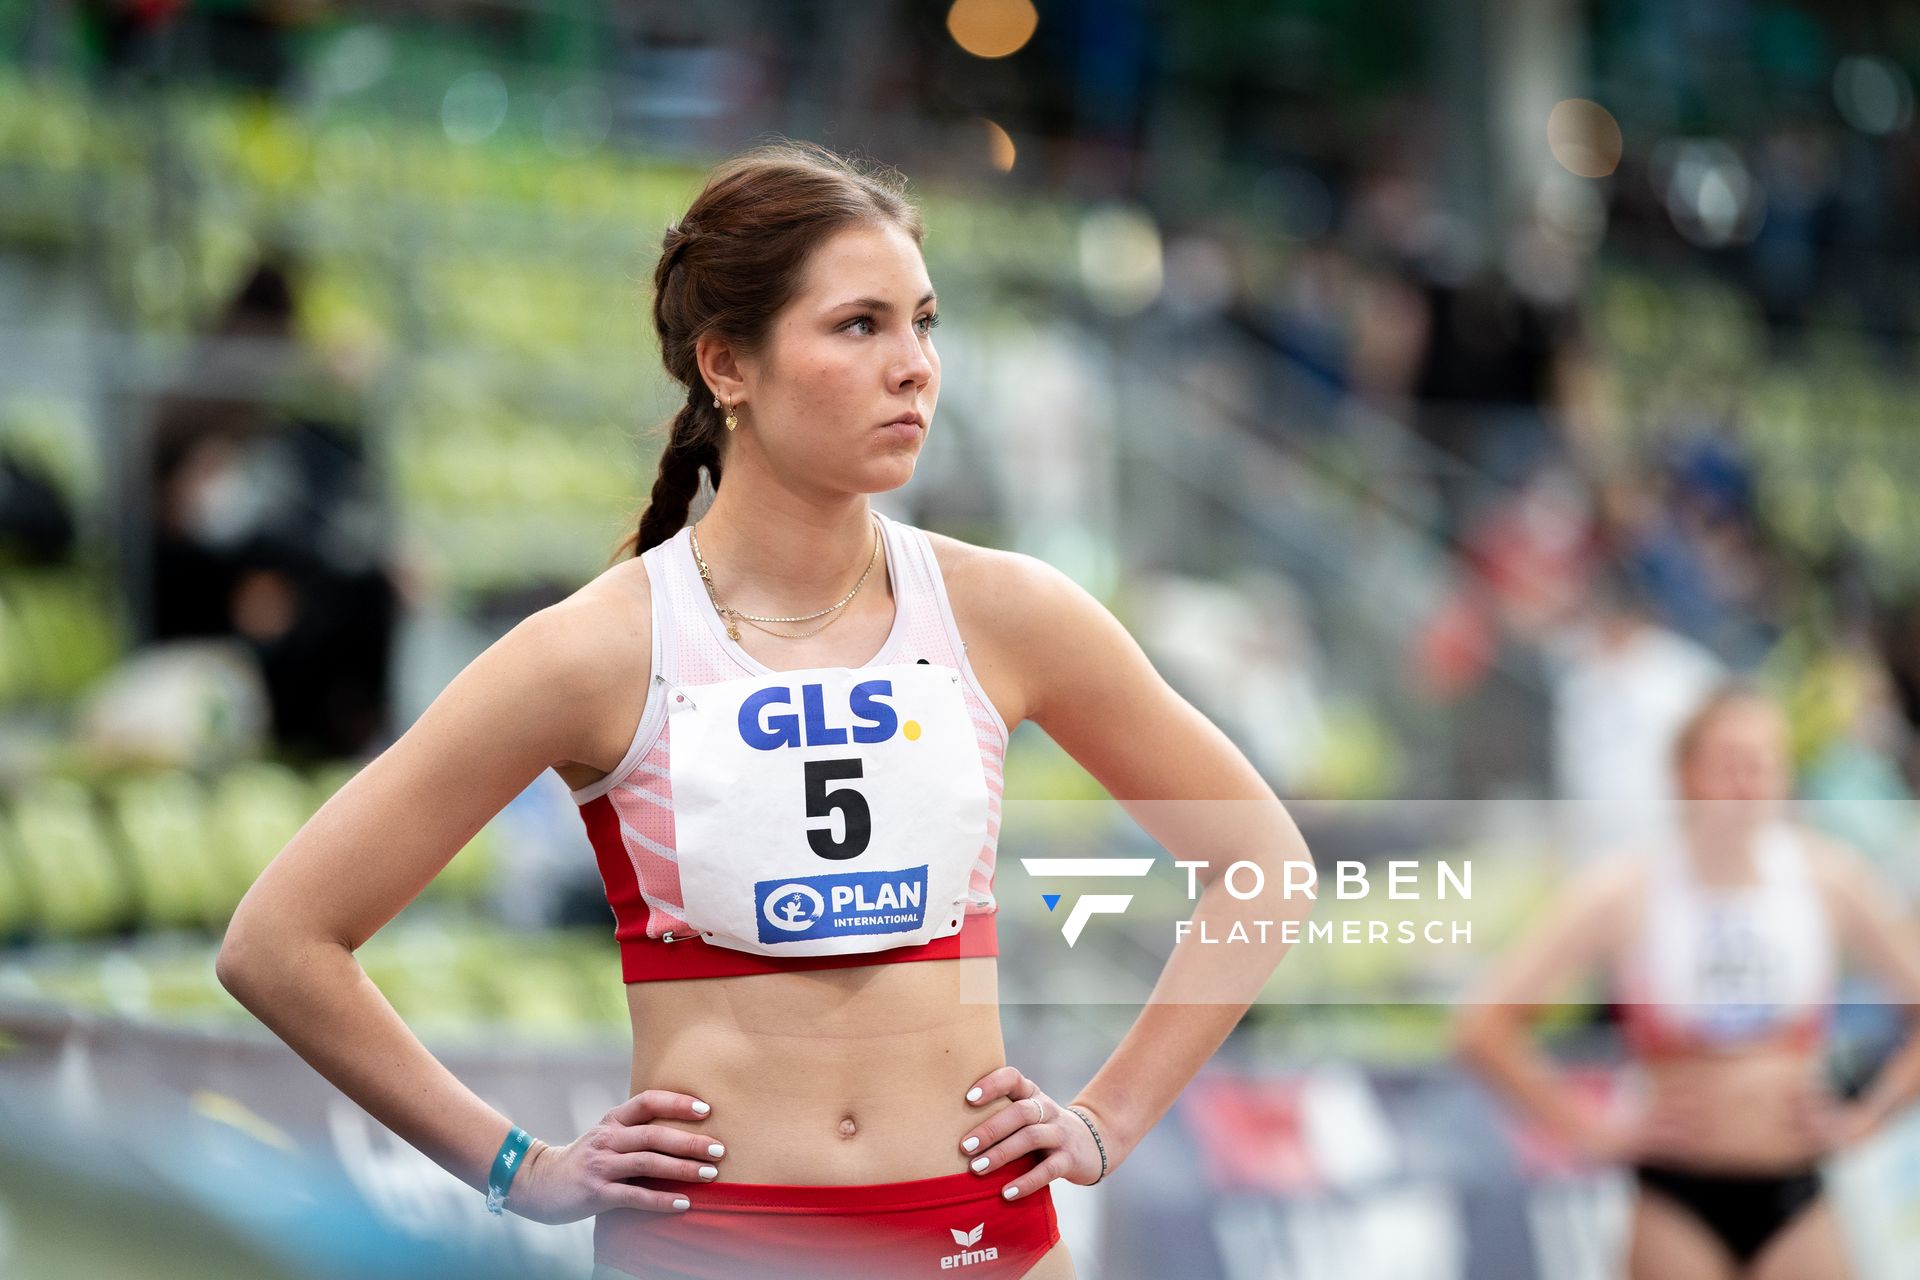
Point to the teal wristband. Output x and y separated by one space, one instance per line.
505 1165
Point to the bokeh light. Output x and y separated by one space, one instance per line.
1000 149
992 28
1584 137
1121 263
474 108
577 120
1710 193
1874 95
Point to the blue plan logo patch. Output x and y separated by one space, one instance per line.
802 907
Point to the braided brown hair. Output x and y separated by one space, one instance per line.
728 267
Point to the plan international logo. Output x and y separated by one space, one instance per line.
802 907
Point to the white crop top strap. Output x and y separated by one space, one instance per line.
932 627
662 663
1728 963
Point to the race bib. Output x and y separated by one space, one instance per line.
826 811
1737 975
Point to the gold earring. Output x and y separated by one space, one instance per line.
732 420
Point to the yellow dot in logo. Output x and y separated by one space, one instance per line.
912 729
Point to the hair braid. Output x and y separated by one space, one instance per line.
690 446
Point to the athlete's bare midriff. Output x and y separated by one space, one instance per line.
1747 1106
827 1078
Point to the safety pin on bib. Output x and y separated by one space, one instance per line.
679 694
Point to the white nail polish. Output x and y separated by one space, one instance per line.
979 1164
680 1202
970 1144
973 1094
701 1108
716 1149
708 1171
1011 1191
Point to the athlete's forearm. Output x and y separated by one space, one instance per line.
1163 1050
1201 996
1896 1086
317 998
1492 1040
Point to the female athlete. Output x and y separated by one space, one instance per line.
784 725
1722 943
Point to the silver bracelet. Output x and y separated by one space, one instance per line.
1098 1145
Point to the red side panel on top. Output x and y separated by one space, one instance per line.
616 870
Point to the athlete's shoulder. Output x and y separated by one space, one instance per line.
1007 591
591 657
596 640
1843 874
1614 881
1604 902
1039 632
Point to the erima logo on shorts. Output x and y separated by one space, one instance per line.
968 1255
832 906
1091 904
764 727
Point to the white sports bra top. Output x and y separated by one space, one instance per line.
773 820
1718 968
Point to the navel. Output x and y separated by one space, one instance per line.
847 1126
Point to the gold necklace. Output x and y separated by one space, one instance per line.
734 617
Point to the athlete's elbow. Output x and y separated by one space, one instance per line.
240 961
231 971
252 954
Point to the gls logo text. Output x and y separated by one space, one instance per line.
765 728
1091 904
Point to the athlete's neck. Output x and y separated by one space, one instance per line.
778 556
1721 846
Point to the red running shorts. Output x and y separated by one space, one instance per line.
958 1226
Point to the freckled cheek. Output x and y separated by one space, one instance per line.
839 384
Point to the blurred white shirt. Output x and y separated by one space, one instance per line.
1619 698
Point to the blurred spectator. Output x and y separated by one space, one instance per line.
1523 569
1797 168
1852 735
130 36
1690 536
36 523
264 525
1897 633
1534 550
1623 685
1483 382
243 42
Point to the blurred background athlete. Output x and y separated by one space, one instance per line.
1723 943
